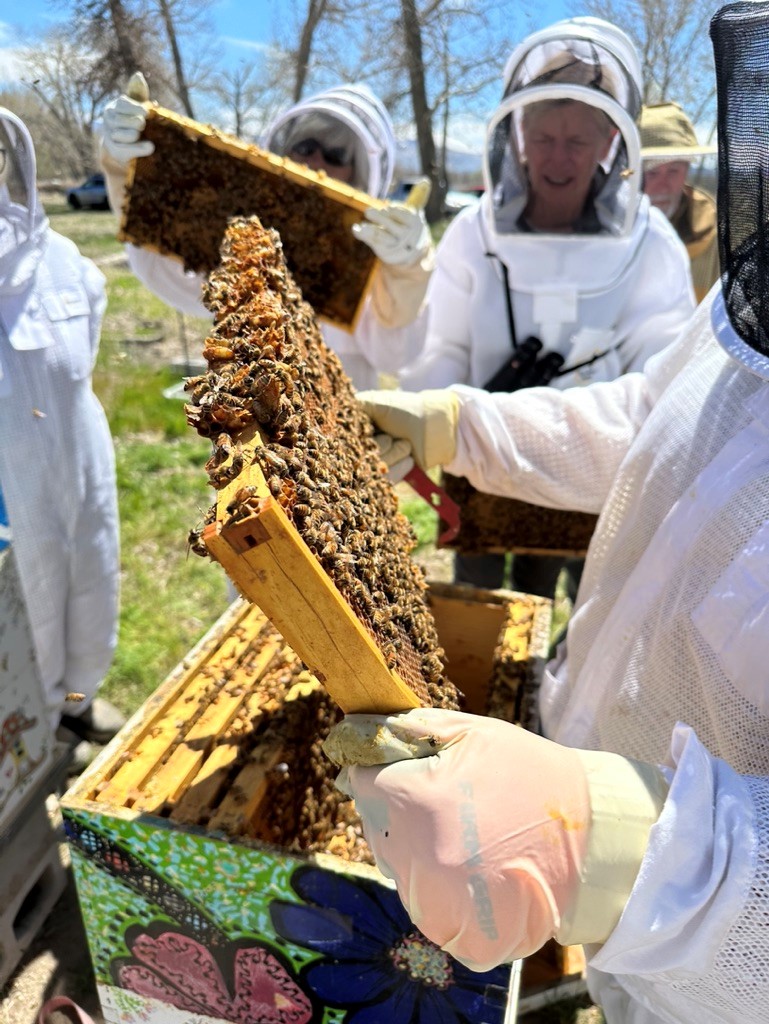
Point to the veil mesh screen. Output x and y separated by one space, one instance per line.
739 33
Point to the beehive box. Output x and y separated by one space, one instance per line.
180 198
32 874
26 738
220 873
489 523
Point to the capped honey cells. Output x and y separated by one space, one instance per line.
181 197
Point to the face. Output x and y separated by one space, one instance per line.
563 146
318 157
664 184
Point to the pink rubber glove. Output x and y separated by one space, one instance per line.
492 841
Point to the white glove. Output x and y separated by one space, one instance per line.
124 121
398 235
497 839
396 455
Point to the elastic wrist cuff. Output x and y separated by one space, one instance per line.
441 415
626 799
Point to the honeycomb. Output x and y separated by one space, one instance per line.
182 196
492 523
268 365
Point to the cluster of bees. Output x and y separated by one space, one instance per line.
269 366
490 522
183 195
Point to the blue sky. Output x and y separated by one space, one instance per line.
240 24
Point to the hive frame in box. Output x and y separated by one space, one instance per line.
495 525
349 206
146 881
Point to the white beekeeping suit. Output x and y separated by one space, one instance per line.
57 471
389 334
602 296
665 660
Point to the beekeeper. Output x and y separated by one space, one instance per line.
669 146
348 133
57 467
563 266
640 825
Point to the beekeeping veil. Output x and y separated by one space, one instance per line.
23 224
348 114
590 61
740 36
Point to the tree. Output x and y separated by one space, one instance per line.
675 49
176 56
67 97
412 34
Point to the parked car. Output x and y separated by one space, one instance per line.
454 201
91 195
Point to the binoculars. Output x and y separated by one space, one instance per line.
526 368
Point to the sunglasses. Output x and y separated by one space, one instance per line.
335 156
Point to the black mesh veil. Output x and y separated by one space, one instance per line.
740 36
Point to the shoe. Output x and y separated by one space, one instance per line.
80 754
98 723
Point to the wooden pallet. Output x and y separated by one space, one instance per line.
180 198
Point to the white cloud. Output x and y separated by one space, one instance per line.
11 69
246 44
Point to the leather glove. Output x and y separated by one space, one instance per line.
497 839
124 121
426 419
398 234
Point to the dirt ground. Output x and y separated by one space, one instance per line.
56 963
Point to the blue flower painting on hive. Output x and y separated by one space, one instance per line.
347 952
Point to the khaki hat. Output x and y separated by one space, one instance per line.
667 134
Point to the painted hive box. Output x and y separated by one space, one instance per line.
221 875
489 523
180 198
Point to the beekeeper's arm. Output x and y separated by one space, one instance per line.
120 143
559 449
497 839
400 237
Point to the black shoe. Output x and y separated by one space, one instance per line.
98 723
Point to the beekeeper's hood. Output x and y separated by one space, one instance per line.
593 62
23 224
347 115
740 310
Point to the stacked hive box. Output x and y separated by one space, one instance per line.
32 874
219 871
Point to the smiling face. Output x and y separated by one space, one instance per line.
564 143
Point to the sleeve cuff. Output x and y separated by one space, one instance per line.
626 799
